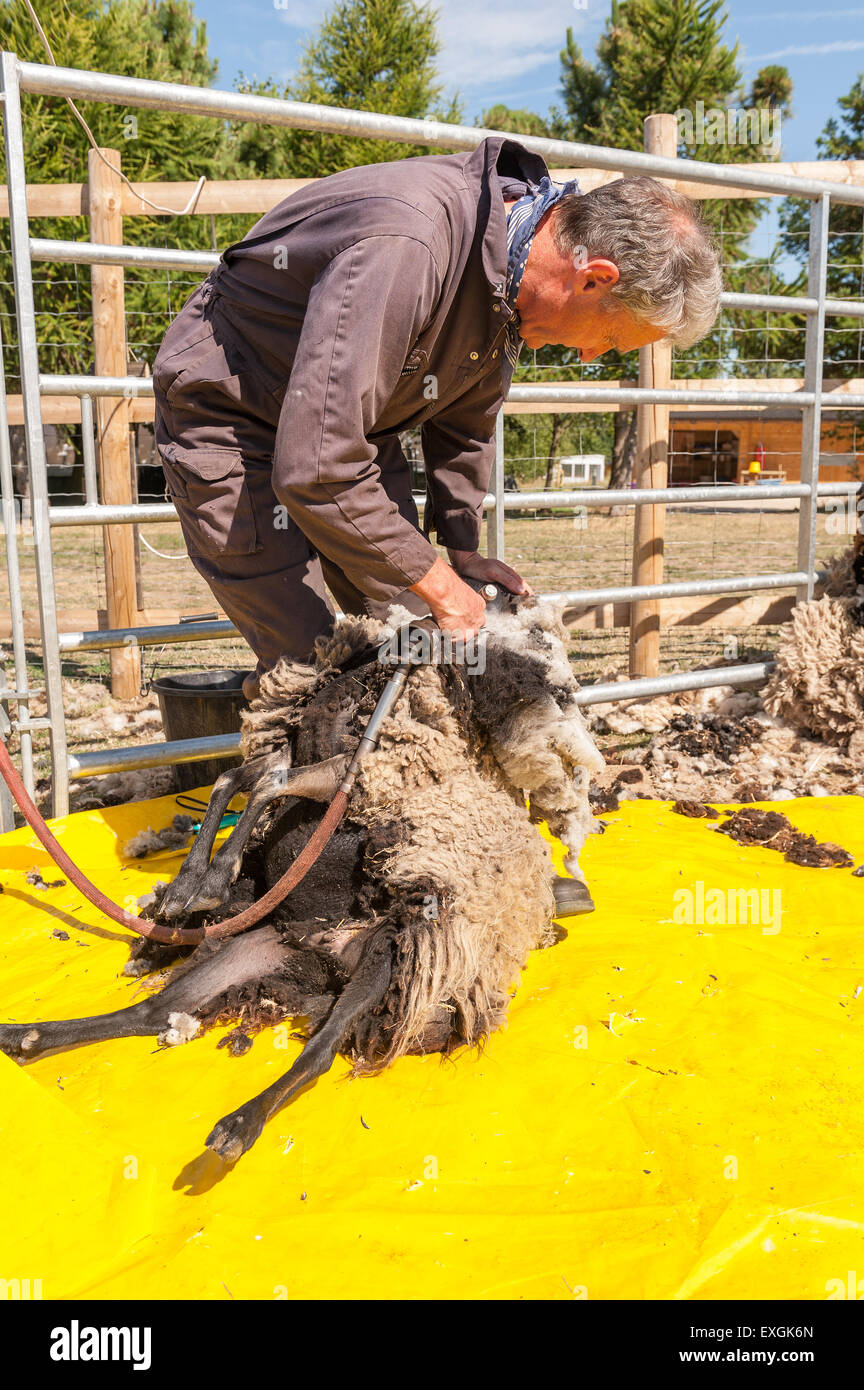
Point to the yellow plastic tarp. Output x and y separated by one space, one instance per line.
675 1111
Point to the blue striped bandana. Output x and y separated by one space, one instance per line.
523 220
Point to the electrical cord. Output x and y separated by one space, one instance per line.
157 207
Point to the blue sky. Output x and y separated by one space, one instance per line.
507 50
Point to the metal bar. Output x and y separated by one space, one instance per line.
630 497
811 420
133 513
495 516
843 308
158 258
88 449
178 633
161 635
96 253
737 676
628 593
140 512
77 385
13 572
783 303
528 392
790 304
184 750
222 745
171 96
7 806
19 234
7 810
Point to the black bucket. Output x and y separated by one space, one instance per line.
196 704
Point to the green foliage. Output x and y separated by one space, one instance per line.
841 138
375 54
371 55
667 56
158 39
518 121
654 55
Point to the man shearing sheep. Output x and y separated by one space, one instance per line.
384 298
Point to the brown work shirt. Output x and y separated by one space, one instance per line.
370 302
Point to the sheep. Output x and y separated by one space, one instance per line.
818 682
410 932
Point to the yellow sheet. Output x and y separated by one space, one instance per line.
675 1111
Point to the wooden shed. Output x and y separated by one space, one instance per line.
714 447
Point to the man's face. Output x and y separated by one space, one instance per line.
575 308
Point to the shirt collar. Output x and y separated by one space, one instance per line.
498 163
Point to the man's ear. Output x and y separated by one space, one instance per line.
595 274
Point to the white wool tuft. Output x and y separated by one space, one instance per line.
181 1029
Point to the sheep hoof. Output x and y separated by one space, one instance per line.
571 897
17 1040
172 905
203 903
236 1133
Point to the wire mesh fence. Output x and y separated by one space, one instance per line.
555 549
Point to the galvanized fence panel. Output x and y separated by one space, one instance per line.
53 81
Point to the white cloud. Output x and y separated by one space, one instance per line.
811 50
493 40
299 14
483 43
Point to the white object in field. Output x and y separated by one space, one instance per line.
583 468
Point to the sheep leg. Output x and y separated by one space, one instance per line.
237 1132
228 785
319 782
238 960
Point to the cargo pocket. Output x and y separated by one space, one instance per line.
211 493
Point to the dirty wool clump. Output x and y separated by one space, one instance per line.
801 734
721 737
94 718
770 760
818 682
35 879
696 810
118 788
149 841
771 830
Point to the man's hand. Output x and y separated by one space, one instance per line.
476 566
456 607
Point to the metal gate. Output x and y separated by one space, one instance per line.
17 77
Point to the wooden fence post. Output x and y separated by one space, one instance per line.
652 450
113 415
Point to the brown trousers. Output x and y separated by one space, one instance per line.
256 560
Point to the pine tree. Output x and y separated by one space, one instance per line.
667 56
517 121
158 39
841 138
370 55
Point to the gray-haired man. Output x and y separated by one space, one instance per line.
384 298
